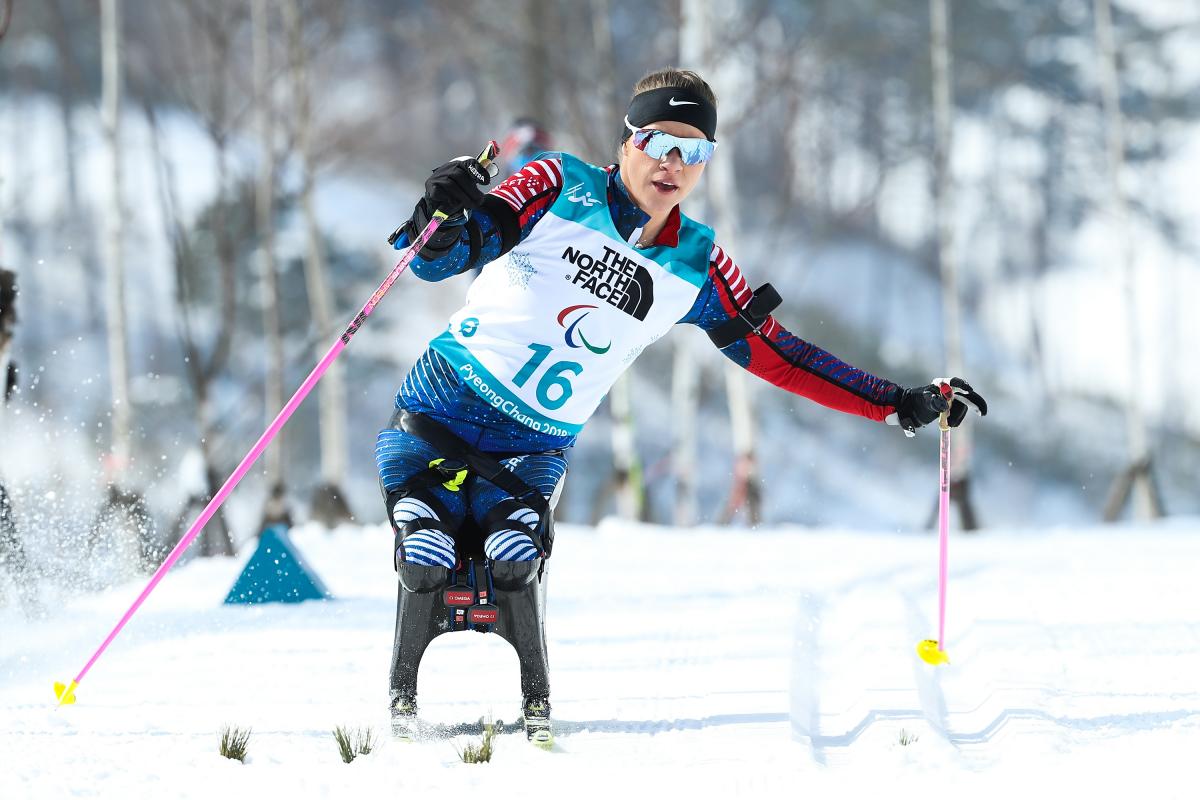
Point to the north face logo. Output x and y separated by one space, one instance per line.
618 281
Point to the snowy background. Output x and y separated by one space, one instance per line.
776 657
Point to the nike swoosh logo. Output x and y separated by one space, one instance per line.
674 102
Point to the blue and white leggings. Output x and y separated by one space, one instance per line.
401 455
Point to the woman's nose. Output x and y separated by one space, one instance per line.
672 160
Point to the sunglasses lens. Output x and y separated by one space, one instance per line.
700 151
657 144
648 141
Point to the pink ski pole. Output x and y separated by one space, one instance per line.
934 651
65 693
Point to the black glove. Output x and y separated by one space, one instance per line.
919 407
454 186
923 405
964 397
452 189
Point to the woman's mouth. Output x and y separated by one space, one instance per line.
665 187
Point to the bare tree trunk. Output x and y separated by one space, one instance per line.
122 519
943 110
215 30
12 552
685 398
8 324
1137 477
276 504
700 20
69 89
721 192
77 229
628 478
746 490
118 358
216 539
685 394
221 539
627 484
1043 247
328 503
606 58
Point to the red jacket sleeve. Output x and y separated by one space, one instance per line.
776 355
531 190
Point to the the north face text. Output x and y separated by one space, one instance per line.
615 279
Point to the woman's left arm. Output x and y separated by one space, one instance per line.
759 344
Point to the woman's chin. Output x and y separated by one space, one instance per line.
657 204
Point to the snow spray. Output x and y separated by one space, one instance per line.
65 693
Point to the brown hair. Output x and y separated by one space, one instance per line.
672 78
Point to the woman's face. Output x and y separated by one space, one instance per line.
658 185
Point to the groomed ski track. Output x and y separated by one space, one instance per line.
707 662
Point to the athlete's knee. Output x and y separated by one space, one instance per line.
423 537
510 545
428 547
512 533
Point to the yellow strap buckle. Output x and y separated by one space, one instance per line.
456 469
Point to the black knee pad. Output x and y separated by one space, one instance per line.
420 578
509 576
414 525
497 520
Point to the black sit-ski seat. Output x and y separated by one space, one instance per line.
504 597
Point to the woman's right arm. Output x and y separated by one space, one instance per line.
504 219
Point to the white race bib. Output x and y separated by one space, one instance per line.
550 326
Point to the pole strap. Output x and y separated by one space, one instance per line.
749 319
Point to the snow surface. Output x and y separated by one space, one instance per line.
705 662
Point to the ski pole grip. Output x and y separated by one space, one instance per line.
489 154
947 392
483 167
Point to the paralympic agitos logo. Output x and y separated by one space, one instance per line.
613 278
574 335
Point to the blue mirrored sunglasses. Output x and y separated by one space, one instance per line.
657 144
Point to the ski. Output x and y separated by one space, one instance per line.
536 720
414 729
408 727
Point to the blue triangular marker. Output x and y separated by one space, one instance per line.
276 573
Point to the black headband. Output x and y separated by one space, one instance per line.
675 105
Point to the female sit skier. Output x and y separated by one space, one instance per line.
584 266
